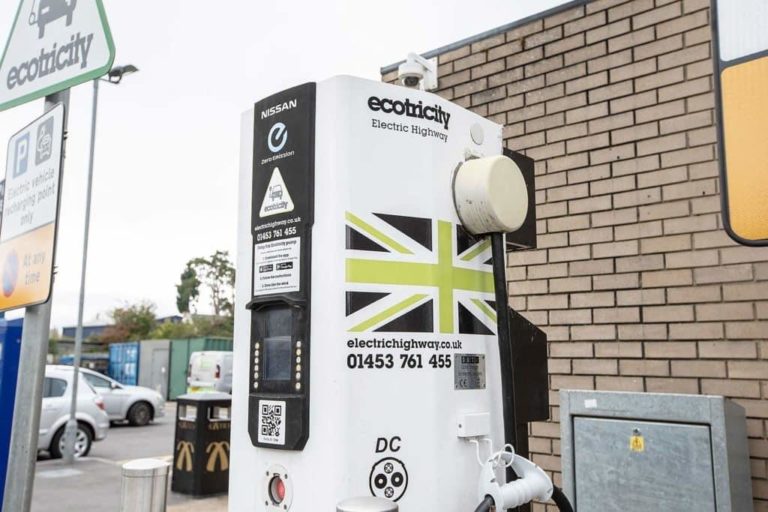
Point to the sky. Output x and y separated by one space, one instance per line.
167 143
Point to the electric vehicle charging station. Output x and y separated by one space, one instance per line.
367 361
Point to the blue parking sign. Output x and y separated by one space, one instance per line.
21 155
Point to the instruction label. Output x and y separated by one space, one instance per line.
277 266
469 371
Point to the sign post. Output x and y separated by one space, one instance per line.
24 171
53 46
741 77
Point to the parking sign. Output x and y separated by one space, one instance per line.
30 212
741 62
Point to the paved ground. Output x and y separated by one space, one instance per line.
93 483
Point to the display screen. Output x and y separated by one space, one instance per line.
277 358
277 326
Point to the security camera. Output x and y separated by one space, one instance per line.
418 72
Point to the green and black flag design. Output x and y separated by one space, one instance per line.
412 274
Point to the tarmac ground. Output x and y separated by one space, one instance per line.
92 484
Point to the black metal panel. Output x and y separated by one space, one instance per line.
525 237
529 350
281 223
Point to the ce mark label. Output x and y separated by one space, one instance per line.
278 136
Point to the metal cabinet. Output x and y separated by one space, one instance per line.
636 452
154 363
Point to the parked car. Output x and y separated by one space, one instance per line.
210 371
138 405
92 420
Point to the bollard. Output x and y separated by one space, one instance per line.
144 486
367 504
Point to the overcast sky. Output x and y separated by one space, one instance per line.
167 141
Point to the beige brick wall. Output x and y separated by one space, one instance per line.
635 282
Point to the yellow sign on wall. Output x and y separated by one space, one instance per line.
30 211
741 40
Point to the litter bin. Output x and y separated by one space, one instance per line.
201 444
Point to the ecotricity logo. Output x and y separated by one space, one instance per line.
410 109
58 57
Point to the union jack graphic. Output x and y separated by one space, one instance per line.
412 274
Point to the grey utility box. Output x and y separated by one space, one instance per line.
636 452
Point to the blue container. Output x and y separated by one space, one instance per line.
124 362
10 348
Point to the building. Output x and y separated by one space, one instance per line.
635 281
89 331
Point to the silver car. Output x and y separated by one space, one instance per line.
138 405
92 420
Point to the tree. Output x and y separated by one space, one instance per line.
174 330
188 290
217 273
195 326
131 322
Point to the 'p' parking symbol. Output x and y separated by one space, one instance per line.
21 156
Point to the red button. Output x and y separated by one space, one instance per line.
277 490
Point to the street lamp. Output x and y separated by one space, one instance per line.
116 73
114 76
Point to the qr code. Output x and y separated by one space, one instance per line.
272 422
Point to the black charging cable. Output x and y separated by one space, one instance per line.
561 500
499 256
485 505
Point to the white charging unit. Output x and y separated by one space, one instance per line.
365 354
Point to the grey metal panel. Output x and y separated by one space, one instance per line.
725 418
740 474
154 363
673 471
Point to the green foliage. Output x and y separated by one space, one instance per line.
215 326
217 273
188 289
170 330
196 327
131 322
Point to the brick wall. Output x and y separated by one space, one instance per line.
635 282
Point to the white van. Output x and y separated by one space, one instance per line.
210 371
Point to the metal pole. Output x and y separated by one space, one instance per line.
29 388
71 430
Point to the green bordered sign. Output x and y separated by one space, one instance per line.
741 61
54 44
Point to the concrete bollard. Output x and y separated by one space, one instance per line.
367 504
144 486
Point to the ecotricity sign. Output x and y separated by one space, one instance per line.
410 109
54 44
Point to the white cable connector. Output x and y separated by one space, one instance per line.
533 483
490 195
